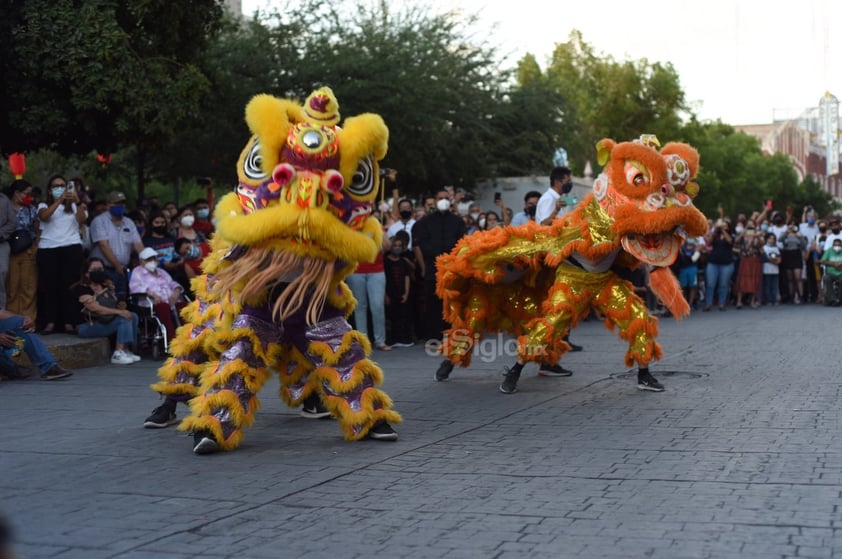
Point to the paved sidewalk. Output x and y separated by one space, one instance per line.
740 457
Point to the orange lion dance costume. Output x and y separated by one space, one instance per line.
538 282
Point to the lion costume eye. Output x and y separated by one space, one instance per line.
251 164
635 175
363 180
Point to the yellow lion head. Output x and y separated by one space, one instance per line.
307 185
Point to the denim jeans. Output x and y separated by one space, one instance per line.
718 276
370 292
125 329
770 289
34 348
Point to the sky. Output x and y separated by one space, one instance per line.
742 61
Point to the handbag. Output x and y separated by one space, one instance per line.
107 299
20 240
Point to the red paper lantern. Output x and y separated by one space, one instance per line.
17 165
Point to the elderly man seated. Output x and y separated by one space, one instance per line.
165 293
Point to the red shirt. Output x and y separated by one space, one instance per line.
371 267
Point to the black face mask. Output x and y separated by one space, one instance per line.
98 276
567 187
529 210
406 214
822 229
836 230
160 230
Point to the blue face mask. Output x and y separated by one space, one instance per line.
811 220
764 227
203 213
57 192
117 211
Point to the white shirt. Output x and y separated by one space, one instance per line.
546 206
401 226
61 229
828 243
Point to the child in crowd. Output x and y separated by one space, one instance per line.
771 269
399 272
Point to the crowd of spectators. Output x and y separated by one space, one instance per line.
87 254
72 252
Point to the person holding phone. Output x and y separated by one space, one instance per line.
551 204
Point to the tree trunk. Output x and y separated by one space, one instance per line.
141 173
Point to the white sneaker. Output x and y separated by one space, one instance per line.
120 357
135 357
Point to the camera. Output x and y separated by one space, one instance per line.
497 196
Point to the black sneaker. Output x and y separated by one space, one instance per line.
161 417
382 431
509 384
56 372
204 443
646 381
313 408
553 371
574 347
444 371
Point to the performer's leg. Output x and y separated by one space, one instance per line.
228 398
346 378
625 310
191 351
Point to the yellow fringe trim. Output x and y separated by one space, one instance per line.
330 357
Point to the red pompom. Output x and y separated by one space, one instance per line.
17 165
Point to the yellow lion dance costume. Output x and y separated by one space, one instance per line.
538 282
272 296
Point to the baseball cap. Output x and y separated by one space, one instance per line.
148 253
115 197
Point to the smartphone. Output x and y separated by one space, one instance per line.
71 186
769 204
497 196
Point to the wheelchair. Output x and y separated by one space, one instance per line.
152 336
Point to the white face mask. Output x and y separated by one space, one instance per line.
481 222
151 266
443 205
475 215
837 249
188 220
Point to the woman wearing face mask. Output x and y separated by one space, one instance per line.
792 260
101 315
22 281
59 254
165 293
749 275
185 230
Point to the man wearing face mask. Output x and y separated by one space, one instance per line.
405 223
433 236
832 281
113 237
834 233
551 204
810 231
153 281
530 203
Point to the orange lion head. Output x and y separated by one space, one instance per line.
649 194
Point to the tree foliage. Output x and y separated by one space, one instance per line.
612 99
82 75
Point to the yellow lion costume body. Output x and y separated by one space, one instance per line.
272 296
537 282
